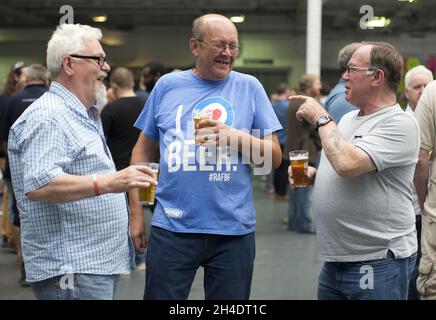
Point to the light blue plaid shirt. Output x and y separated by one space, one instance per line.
54 136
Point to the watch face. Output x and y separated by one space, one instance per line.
323 119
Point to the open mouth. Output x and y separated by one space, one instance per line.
222 62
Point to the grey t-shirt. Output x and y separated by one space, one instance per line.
359 219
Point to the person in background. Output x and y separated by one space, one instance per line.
415 81
280 105
151 72
14 83
324 92
302 136
118 118
36 84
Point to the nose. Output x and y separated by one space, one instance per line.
106 67
227 51
345 75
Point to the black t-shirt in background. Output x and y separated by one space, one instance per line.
118 118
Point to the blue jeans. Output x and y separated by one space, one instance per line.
381 279
77 286
173 259
299 209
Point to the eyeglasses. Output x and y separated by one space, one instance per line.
100 59
233 47
350 69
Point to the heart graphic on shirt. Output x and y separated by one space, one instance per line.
216 114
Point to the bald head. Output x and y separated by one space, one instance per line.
202 25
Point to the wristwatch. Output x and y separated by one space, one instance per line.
322 120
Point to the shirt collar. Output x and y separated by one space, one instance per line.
71 99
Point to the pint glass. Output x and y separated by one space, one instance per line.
146 195
299 162
198 117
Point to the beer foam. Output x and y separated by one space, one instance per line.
299 157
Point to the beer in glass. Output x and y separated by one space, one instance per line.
198 117
299 162
146 195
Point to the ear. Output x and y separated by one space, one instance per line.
378 77
194 45
406 93
67 65
114 89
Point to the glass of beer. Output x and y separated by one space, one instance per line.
146 195
198 117
299 162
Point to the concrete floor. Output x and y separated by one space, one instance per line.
286 265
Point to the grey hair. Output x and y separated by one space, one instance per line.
415 71
68 39
37 72
345 54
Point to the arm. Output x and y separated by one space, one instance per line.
67 187
348 160
420 178
146 149
217 133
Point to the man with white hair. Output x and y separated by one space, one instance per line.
415 81
74 217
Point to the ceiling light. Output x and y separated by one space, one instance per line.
237 19
378 22
410 1
102 18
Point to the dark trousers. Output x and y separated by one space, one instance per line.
173 259
281 178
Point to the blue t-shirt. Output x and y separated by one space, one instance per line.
204 190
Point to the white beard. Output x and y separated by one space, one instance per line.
100 95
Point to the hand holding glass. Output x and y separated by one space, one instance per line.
147 195
299 163
198 117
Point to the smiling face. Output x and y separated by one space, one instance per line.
89 76
213 63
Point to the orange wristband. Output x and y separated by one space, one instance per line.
95 183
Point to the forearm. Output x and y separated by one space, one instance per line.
420 178
66 188
347 160
257 150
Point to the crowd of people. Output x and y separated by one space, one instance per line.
75 151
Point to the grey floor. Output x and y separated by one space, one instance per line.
286 265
